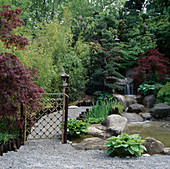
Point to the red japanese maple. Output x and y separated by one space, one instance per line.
16 81
150 62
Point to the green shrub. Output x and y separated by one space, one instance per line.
76 127
119 105
103 96
101 110
4 137
125 145
7 126
163 95
93 120
146 89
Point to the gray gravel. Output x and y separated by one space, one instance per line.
51 154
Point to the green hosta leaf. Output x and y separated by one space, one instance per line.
109 151
131 151
71 132
134 147
125 145
138 153
117 146
143 147
119 141
108 144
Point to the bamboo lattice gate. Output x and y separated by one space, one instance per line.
51 120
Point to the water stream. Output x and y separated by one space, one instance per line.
150 129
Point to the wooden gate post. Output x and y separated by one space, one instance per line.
66 113
65 107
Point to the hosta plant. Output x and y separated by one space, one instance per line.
76 127
146 89
125 145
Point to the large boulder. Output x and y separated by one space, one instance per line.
115 124
93 143
153 146
136 108
132 117
160 110
98 130
149 101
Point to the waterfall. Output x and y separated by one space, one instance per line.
128 85
131 86
129 89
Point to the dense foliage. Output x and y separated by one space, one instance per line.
16 81
78 37
102 109
150 64
76 127
125 145
163 95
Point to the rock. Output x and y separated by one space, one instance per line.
130 100
168 118
146 116
153 146
136 108
126 100
149 101
166 151
145 155
132 117
115 124
93 143
139 99
166 126
98 130
160 110
120 98
73 107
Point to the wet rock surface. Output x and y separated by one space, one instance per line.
149 101
160 110
136 108
133 117
146 116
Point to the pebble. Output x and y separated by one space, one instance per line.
51 154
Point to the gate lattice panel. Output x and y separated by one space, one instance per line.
47 120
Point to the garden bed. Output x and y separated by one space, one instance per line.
10 145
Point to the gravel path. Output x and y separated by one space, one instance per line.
51 154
